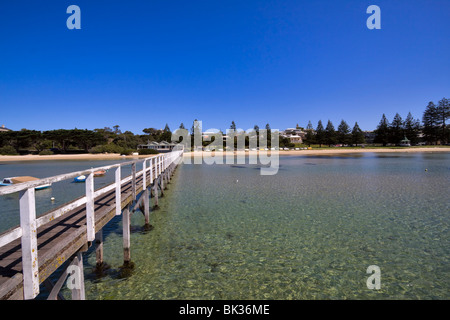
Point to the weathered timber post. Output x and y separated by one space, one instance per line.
29 244
128 266
155 191
161 185
78 288
146 196
99 248
126 236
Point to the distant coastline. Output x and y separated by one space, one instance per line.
116 156
84 156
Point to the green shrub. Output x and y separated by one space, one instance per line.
46 153
147 151
127 151
8 151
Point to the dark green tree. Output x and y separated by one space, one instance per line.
357 136
343 133
382 131
309 137
443 114
320 134
330 134
166 134
396 131
430 122
411 128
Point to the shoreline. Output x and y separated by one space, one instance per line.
116 156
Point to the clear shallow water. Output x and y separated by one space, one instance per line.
309 232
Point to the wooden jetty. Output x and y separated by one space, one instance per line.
31 252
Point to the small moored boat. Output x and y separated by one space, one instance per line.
99 173
81 178
16 180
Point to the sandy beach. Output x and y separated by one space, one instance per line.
116 156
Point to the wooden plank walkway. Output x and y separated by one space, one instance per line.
62 238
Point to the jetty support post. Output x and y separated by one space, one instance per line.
78 292
126 236
29 243
155 192
99 248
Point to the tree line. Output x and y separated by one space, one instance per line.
433 129
111 140
330 136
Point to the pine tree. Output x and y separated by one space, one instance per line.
382 131
396 132
330 134
430 121
343 133
443 114
411 128
309 137
357 136
166 134
320 133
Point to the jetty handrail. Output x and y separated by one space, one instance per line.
36 183
27 230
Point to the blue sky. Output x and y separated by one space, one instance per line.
141 64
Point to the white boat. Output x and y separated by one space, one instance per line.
16 180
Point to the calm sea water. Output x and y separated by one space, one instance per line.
309 232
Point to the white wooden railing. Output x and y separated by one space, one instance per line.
29 224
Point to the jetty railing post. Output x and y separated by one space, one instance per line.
133 181
126 235
151 170
159 165
155 182
144 175
146 207
90 212
118 192
29 244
